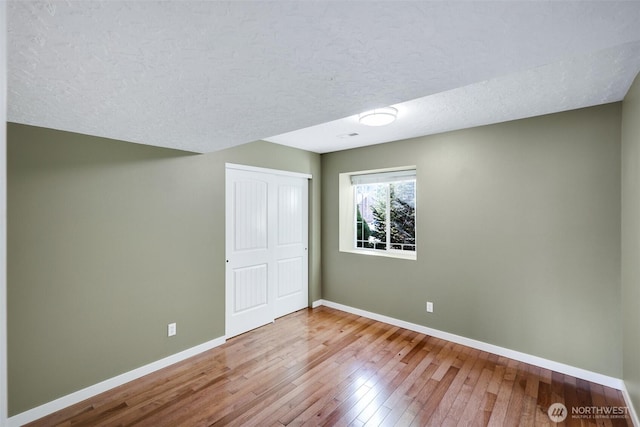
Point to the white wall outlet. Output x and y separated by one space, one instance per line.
171 329
429 307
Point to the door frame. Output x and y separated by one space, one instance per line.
274 172
267 170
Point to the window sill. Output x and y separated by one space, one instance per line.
399 255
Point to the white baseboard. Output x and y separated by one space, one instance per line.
80 395
632 409
490 348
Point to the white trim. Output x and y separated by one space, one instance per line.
632 409
378 177
501 351
86 393
347 213
409 255
317 303
267 170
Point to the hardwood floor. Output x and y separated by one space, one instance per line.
327 367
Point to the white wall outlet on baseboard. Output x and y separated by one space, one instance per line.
429 307
171 329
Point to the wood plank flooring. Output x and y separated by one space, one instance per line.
324 367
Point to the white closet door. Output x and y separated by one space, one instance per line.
290 249
249 303
266 248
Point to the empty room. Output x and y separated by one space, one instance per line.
273 213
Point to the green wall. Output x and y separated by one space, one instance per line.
518 230
631 241
108 242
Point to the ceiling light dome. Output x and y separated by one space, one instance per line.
379 116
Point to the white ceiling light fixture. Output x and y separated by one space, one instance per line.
379 116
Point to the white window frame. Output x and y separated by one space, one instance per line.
347 218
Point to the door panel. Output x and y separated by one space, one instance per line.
250 208
289 276
249 288
289 218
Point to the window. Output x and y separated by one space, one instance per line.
384 212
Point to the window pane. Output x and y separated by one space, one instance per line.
383 212
385 215
371 208
402 197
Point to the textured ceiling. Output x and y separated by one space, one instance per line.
587 80
202 76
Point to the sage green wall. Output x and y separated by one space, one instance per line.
631 242
108 242
518 231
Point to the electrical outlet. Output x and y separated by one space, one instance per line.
429 307
171 329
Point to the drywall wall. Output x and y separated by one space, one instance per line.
631 242
518 231
108 242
